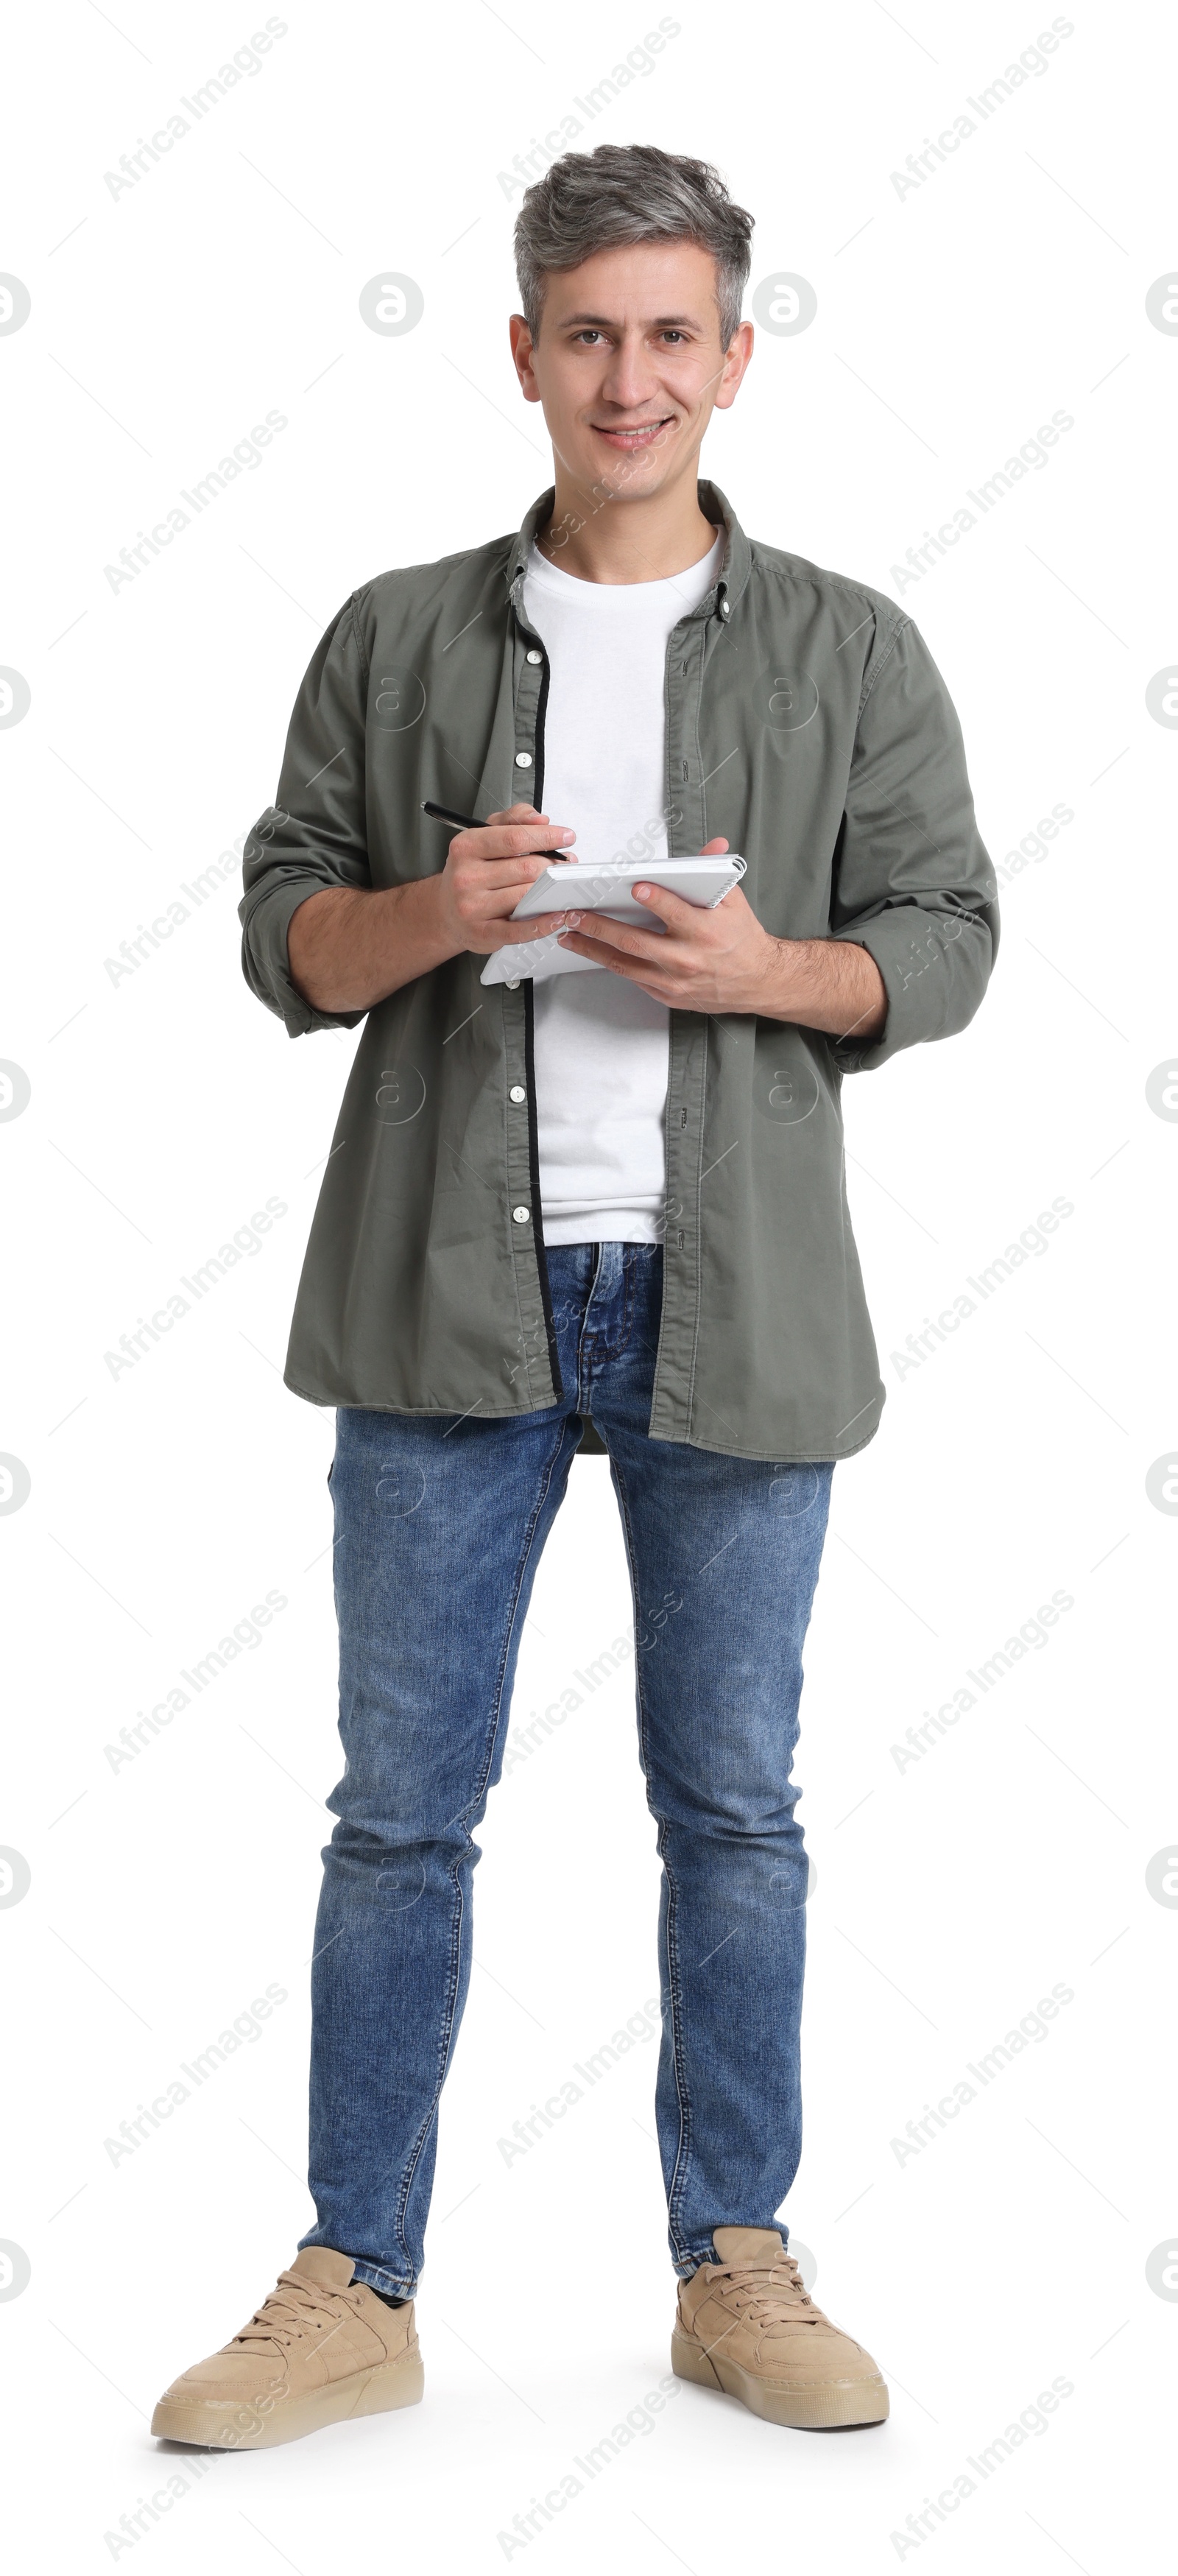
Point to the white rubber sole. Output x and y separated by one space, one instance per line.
816 2407
259 2425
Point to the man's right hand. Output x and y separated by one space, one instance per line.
489 870
349 948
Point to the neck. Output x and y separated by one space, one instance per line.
612 539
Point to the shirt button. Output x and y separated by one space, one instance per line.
725 611
521 1215
523 760
517 1092
535 657
514 987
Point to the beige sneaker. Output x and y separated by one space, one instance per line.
321 2348
746 2324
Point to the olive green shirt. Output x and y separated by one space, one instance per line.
808 724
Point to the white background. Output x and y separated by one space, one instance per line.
165 1107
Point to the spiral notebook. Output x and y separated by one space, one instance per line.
591 885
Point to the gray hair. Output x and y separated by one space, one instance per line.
630 192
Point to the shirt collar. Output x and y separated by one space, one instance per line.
730 580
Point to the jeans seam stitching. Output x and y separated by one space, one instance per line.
483 1778
615 1350
520 1571
677 2187
417 2150
694 1361
447 2031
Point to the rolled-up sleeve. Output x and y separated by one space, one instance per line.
913 883
314 834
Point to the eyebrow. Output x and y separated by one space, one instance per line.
602 322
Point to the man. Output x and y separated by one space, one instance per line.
607 1203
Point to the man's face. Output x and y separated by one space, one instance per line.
628 365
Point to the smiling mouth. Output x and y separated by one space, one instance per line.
635 435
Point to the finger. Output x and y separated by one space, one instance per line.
632 970
713 849
479 876
595 925
506 840
502 840
519 934
669 907
687 920
637 954
636 942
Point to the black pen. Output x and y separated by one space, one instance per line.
443 814
471 823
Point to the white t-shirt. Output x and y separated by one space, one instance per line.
601 1044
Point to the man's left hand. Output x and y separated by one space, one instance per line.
722 960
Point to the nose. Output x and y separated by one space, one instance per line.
630 379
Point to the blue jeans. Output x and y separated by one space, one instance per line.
439 1527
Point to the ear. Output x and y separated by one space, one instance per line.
522 346
736 359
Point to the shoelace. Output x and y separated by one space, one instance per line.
761 2294
295 2308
